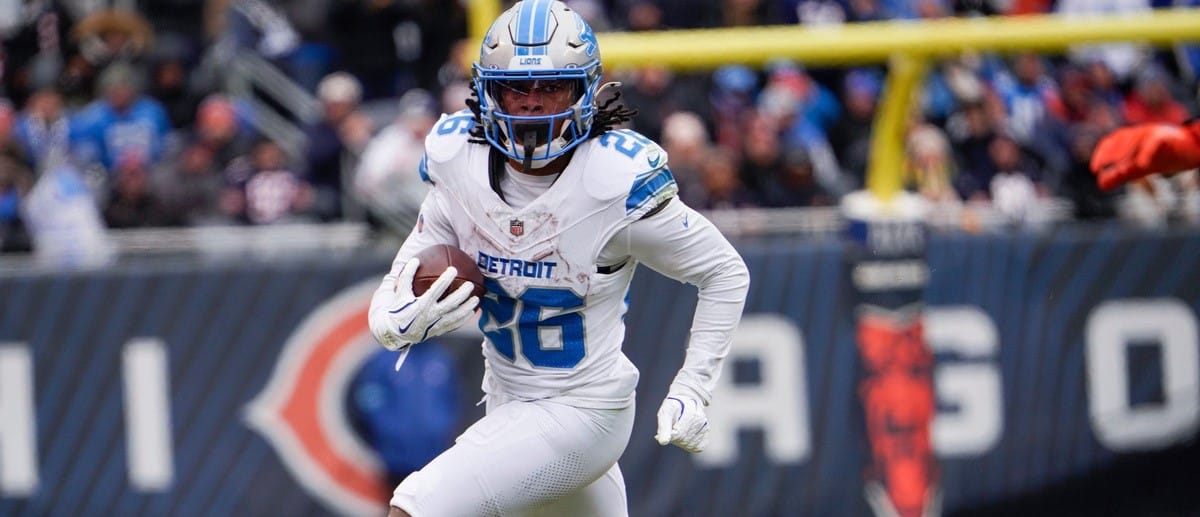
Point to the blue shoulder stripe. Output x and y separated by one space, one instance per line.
423 169
647 187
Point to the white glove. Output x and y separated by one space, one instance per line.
681 421
402 318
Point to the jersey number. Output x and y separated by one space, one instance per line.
627 142
460 124
527 313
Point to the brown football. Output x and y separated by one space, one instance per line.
435 259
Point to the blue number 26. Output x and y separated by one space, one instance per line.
527 310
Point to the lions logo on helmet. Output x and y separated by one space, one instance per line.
543 41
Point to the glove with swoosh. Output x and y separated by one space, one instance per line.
399 319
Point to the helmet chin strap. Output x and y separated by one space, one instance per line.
530 141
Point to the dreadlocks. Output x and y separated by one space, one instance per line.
476 129
607 117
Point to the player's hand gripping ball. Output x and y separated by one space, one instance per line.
435 292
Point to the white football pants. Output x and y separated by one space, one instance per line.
536 458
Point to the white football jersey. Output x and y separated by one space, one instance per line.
553 315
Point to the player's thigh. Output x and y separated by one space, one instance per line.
521 455
605 497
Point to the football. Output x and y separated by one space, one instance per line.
435 259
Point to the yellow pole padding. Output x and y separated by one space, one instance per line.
480 15
875 42
884 174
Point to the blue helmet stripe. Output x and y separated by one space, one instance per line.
532 28
542 23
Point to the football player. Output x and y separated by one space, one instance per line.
559 209
1134 152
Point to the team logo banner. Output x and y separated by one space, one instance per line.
1035 362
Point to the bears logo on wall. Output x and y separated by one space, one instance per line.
299 412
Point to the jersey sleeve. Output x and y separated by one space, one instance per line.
423 169
682 244
650 191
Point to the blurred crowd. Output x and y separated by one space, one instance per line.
123 114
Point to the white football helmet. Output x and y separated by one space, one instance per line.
537 40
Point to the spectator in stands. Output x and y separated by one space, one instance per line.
971 129
387 180
15 182
264 189
658 92
794 183
191 185
1103 82
336 139
930 9
815 107
745 13
44 129
10 146
1028 92
722 187
78 82
34 52
1079 185
169 85
1151 100
731 97
850 135
814 12
218 129
133 203
686 141
1012 190
52 65
642 15
761 154
931 168
1033 105
876 10
124 124
803 110
1077 96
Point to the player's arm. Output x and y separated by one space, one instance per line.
1133 152
680 243
398 318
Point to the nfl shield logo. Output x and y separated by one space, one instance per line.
516 227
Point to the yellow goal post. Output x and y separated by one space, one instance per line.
906 45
